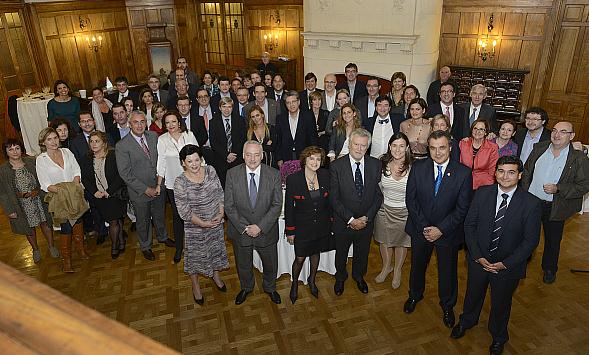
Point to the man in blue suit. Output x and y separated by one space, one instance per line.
502 229
438 196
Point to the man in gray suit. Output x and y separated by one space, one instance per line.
269 106
159 95
136 161
253 201
476 108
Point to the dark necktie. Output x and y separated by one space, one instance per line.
358 180
155 97
383 121
473 115
498 227
278 97
228 133
243 111
253 190
144 147
438 180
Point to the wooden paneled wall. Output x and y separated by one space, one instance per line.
290 41
67 53
566 92
523 29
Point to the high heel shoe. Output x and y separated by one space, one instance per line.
396 280
294 292
222 288
313 288
200 301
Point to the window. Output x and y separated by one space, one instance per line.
222 25
16 67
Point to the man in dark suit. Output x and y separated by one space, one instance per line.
253 201
557 174
159 95
296 130
278 92
438 195
122 85
310 86
433 91
536 119
455 113
224 91
181 89
136 161
502 229
367 104
192 120
227 135
191 77
356 88
121 127
355 199
478 109
243 98
268 105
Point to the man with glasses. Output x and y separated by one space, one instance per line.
158 94
367 104
534 132
455 113
558 175
330 93
356 88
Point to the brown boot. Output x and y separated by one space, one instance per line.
78 237
65 248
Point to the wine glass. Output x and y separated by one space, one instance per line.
27 92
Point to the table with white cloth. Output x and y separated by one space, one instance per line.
286 256
32 116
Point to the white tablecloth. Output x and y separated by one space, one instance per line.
32 115
286 256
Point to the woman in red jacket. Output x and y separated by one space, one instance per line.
479 154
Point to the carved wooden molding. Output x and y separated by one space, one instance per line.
360 42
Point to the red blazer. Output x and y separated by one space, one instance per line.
483 167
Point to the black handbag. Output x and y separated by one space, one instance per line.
122 193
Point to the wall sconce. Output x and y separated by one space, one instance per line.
275 17
94 44
211 22
235 24
84 22
484 52
270 43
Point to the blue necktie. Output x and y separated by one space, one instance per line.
472 116
253 190
438 180
497 229
358 180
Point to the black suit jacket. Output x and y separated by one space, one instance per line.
345 201
359 90
362 106
460 127
304 217
113 178
521 230
79 146
486 112
395 121
217 98
305 136
114 97
446 210
218 140
197 126
520 136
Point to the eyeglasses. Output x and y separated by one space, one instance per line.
446 91
479 129
329 82
533 119
562 131
202 97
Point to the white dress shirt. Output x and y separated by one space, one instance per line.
168 156
257 172
444 166
380 136
353 165
49 173
293 122
500 198
476 113
330 101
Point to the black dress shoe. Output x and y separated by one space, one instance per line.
200 301
338 288
496 348
275 297
458 331
177 256
448 318
241 296
313 288
170 243
362 286
148 254
294 292
409 305
222 288
114 253
549 277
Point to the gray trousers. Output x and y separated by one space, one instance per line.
244 261
145 212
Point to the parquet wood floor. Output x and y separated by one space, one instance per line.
155 299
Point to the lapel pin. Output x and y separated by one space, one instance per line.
448 174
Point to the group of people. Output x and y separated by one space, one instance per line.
406 172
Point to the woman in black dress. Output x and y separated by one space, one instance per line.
307 215
100 177
262 132
320 115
